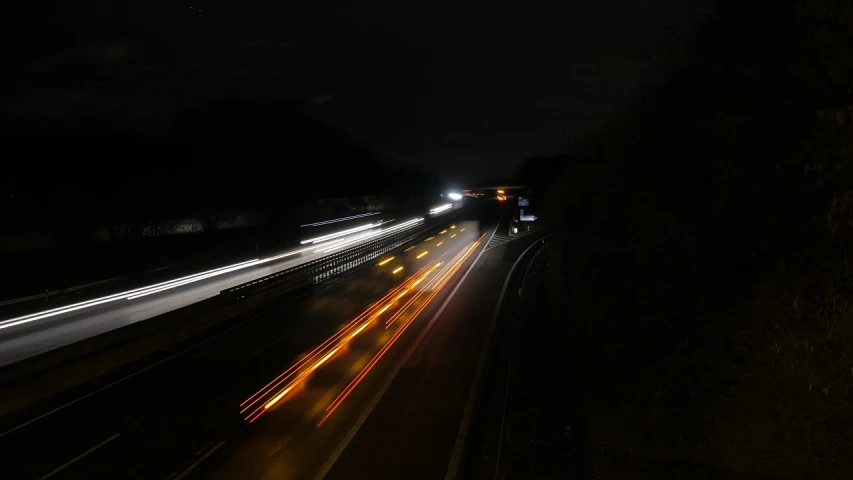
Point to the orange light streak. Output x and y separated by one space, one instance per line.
278 397
451 271
307 358
432 283
290 372
359 330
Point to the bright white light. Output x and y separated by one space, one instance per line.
195 279
340 241
342 219
324 245
441 208
341 233
384 231
455 196
118 296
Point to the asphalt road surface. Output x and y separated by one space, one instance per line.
365 378
29 337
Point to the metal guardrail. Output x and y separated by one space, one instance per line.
544 243
333 265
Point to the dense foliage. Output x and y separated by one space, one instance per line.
706 257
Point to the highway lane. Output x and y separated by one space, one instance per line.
32 336
412 430
401 425
160 423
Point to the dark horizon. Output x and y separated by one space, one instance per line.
238 244
437 97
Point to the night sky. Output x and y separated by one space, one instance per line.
470 90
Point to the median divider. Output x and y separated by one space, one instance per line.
38 378
317 271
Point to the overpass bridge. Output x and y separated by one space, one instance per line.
498 187
496 190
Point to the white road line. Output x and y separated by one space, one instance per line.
149 367
78 457
325 247
330 462
263 349
198 462
174 355
507 240
465 424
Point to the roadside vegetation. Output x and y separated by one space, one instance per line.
705 282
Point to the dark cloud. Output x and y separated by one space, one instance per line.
470 89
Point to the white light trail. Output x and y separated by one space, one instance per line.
341 233
441 208
341 241
118 296
192 280
178 282
342 219
372 234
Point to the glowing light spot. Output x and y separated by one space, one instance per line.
277 398
326 357
441 208
358 330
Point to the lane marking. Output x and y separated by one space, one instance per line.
330 462
503 242
198 462
155 364
177 354
263 349
79 457
474 393
509 369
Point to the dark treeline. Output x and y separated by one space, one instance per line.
220 157
705 275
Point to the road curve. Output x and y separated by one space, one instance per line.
195 416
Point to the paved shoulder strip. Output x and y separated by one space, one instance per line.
498 240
